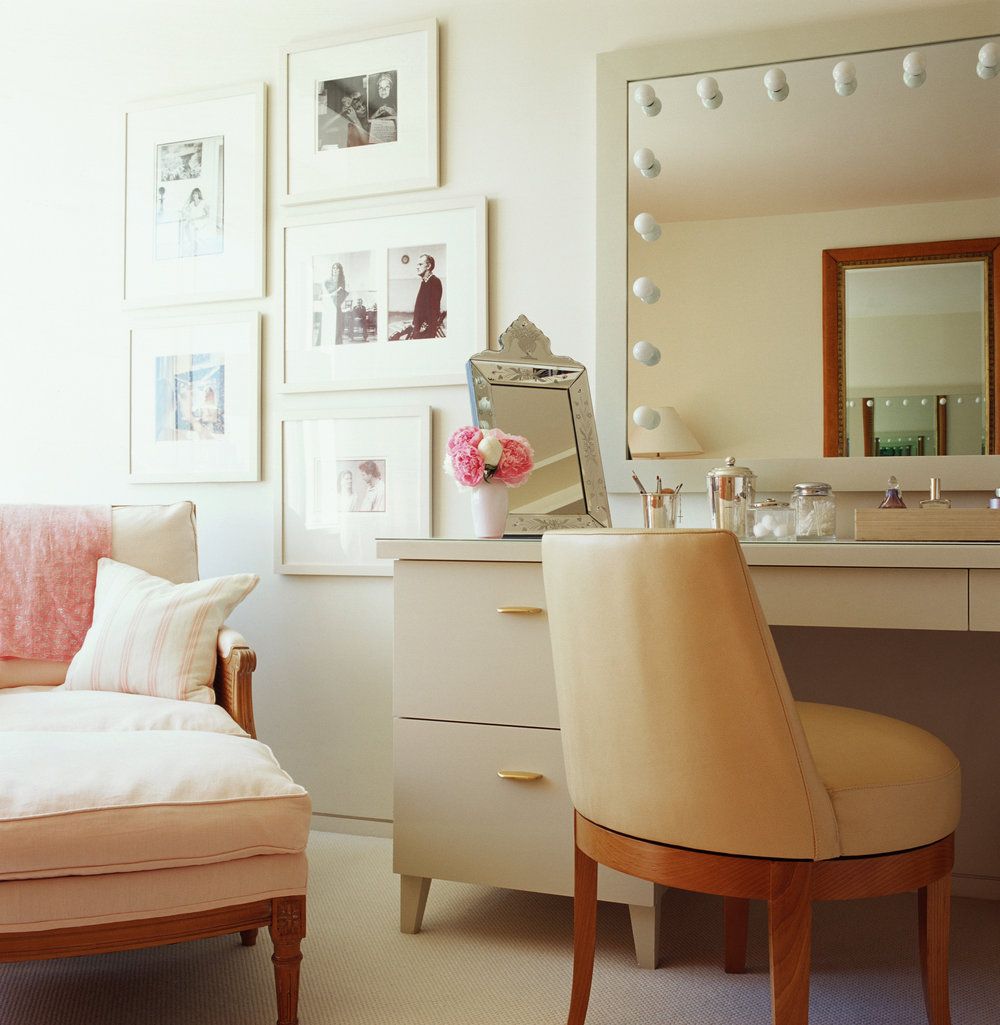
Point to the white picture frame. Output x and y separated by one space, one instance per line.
195 399
347 477
379 253
360 113
194 198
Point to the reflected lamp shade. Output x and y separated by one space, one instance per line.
670 437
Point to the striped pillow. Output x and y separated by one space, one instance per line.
153 637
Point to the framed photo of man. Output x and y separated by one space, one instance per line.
347 477
194 198
361 113
390 297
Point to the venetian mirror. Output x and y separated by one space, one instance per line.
522 388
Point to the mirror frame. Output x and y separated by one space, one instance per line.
525 359
837 261
617 71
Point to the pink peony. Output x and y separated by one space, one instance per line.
464 438
468 467
516 462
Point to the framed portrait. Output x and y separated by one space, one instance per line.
194 198
195 399
348 477
361 114
392 297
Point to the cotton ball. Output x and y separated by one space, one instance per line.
759 530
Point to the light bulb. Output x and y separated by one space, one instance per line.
645 96
776 83
869 403
845 78
708 89
888 402
646 417
850 404
942 401
646 226
959 400
906 402
989 61
923 402
646 353
977 400
646 290
645 160
914 69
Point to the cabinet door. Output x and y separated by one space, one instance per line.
458 658
984 599
455 818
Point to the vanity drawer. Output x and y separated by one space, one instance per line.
454 818
458 658
984 599
900 599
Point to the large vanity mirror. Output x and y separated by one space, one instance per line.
909 343
743 189
524 389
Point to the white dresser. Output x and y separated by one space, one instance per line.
479 790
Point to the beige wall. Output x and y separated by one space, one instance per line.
517 124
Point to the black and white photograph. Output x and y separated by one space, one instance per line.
345 299
189 198
417 299
357 111
361 485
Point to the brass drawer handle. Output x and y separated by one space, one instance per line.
520 610
523 777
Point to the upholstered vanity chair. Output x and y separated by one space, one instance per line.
690 765
129 820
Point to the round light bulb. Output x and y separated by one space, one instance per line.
914 63
942 401
923 402
906 402
775 80
646 226
850 404
646 417
888 402
977 400
645 289
989 61
844 72
959 400
644 158
646 353
707 87
644 94
869 403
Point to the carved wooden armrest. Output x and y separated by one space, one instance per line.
233 677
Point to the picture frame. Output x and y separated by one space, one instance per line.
347 477
387 297
195 399
360 113
194 198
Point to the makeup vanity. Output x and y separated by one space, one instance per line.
479 792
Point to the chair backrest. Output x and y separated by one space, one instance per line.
160 539
677 722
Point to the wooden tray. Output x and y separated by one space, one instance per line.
927 524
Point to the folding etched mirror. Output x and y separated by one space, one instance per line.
524 389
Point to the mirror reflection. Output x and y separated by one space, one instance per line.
749 195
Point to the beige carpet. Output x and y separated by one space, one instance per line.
497 957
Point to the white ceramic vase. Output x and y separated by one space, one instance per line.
489 508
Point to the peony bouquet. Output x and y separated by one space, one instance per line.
475 456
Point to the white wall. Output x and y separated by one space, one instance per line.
517 116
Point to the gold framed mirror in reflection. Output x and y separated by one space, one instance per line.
909 349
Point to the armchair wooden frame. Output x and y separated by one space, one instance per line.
789 887
285 917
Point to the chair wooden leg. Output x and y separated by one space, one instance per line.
288 927
934 908
584 934
736 913
248 937
790 934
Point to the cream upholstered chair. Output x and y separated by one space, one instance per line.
690 765
141 871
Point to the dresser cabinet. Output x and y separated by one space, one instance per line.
479 789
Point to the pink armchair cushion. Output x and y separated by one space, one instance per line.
153 637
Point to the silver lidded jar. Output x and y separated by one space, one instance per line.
731 490
815 508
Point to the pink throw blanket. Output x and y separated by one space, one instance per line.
48 568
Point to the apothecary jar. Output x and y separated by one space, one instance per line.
815 508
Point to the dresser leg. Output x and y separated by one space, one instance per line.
412 901
646 929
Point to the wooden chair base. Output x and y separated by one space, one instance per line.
285 918
789 887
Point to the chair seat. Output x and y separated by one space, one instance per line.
893 786
92 802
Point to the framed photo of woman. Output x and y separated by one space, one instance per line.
361 113
194 198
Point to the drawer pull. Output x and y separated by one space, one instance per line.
519 610
523 777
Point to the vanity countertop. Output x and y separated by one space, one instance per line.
915 555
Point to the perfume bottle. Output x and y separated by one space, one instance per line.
935 501
893 496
